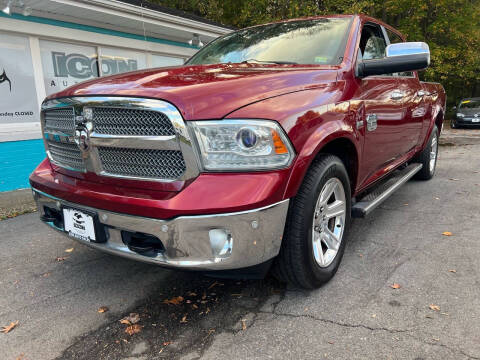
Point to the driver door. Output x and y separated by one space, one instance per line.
384 112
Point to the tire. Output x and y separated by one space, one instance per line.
425 157
305 263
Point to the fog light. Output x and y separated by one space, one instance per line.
220 241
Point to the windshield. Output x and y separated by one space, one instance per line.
469 104
319 41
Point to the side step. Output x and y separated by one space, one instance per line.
381 192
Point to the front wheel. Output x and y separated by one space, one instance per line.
317 226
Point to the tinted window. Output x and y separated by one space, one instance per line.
372 43
319 41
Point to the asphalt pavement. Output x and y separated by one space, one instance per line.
54 287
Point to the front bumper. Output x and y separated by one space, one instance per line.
467 121
188 242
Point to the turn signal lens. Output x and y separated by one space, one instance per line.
280 147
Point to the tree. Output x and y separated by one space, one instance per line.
450 27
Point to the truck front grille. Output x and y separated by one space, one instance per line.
133 122
66 155
145 163
128 138
62 120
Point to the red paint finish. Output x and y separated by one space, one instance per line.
207 194
314 104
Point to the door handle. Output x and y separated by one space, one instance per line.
422 93
396 95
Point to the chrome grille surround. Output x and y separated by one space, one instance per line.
162 153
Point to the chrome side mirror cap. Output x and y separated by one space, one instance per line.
408 56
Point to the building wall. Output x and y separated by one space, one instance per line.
41 56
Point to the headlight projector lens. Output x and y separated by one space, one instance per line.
247 138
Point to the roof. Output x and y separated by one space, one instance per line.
175 12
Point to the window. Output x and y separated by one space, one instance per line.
67 64
395 39
18 98
116 61
372 43
161 61
320 41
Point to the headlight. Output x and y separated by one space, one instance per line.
460 115
242 145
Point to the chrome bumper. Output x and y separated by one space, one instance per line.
190 242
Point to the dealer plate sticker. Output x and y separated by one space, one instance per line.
78 224
475 120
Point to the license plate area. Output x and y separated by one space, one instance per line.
475 120
82 225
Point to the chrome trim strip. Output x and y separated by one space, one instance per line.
135 142
186 239
181 141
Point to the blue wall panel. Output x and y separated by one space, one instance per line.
17 160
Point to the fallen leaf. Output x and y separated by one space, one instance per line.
61 258
174 301
195 306
361 255
446 314
20 357
133 318
452 270
213 285
46 274
191 293
453 179
207 311
447 233
184 319
331 342
102 309
405 204
69 250
395 286
374 315
8 328
434 307
166 343
244 325
133 329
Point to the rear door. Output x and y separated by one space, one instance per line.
413 99
384 113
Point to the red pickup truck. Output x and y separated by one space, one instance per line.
254 155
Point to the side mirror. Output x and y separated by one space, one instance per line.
408 56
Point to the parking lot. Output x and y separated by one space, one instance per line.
424 239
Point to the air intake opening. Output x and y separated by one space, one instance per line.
52 215
143 244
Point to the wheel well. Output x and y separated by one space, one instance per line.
346 151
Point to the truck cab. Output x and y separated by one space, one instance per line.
254 155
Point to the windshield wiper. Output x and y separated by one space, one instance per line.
267 62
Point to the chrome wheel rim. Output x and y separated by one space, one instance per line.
433 153
328 222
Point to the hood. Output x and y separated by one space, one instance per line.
207 91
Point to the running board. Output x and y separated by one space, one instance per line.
381 192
